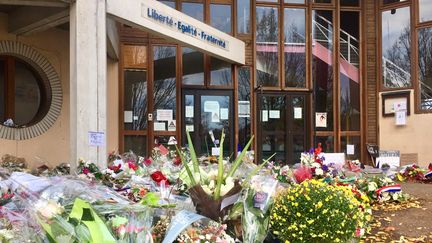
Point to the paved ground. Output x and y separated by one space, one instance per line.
406 222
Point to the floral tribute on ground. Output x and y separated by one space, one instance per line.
176 196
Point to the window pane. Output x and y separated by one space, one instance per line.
163 140
267 46
195 10
220 72
164 85
294 1
349 60
244 120
392 1
136 144
322 1
193 67
273 131
327 143
170 3
135 99
425 10
189 117
2 91
322 69
350 3
396 45
354 140
425 67
295 47
220 17
27 94
269 1
243 16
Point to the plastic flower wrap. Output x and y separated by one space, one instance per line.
128 223
257 203
188 227
314 211
211 232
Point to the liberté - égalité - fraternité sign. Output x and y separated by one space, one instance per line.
160 19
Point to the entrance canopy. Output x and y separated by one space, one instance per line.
158 18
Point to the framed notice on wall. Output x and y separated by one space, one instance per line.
395 99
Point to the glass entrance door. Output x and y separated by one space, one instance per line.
283 126
205 113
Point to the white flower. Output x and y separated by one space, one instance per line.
109 171
229 180
207 190
211 184
372 186
319 172
212 175
227 187
316 165
48 209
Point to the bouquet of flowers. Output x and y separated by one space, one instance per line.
282 173
88 170
208 190
209 233
380 189
257 205
411 173
5 197
128 223
314 211
314 161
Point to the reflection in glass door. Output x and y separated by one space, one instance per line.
283 126
205 114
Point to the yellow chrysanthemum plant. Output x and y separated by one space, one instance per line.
314 211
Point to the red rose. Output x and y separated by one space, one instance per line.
132 165
159 177
115 168
86 171
177 161
147 162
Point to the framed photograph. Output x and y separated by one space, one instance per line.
392 100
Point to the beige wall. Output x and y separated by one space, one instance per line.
52 147
112 106
411 138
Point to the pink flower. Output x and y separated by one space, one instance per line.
86 171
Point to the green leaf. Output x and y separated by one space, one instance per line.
246 181
185 165
220 176
239 159
150 199
118 221
97 228
192 153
